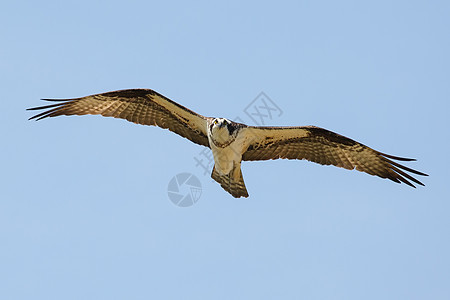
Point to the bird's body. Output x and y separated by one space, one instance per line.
233 142
228 141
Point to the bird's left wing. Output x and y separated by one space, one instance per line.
324 147
141 106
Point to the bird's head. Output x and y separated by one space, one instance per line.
222 131
220 122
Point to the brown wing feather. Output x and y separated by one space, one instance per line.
141 106
327 148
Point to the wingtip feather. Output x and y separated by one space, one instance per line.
397 157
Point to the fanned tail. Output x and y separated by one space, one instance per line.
233 182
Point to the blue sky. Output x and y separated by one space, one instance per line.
84 210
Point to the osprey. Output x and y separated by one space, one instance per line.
233 142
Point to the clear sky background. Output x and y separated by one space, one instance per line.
84 210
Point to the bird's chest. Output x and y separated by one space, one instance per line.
225 158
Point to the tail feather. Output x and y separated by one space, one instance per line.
233 182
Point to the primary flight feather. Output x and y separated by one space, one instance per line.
233 142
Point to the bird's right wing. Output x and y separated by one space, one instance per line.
141 106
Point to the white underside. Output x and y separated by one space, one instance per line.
226 158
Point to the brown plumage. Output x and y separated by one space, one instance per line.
326 148
140 106
232 142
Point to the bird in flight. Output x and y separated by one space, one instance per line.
233 142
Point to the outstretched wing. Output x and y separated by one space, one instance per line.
141 106
327 148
